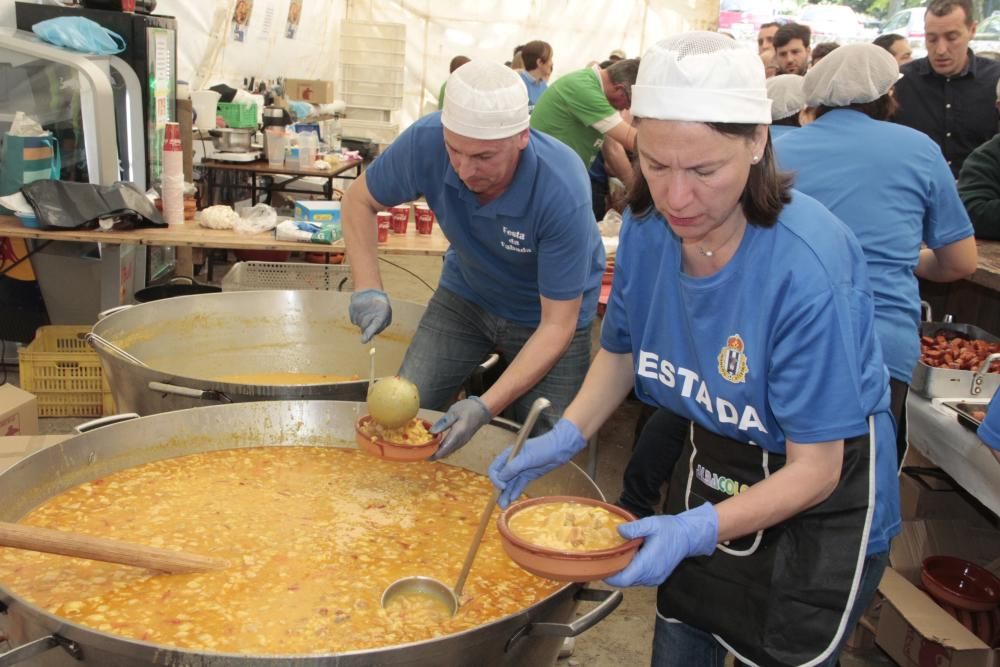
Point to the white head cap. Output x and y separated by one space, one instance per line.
703 77
785 91
485 100
851 74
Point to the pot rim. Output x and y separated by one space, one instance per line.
90 441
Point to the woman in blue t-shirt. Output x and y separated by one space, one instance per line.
744 307
537 56
891 185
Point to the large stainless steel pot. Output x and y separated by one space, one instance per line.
532 636
187 341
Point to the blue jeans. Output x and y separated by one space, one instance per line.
456 335
680 645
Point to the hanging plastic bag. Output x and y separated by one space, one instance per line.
80 34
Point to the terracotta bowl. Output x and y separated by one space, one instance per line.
391 451
960 583
579 566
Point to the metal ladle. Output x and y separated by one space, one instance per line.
430 586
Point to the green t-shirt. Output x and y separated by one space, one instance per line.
569 108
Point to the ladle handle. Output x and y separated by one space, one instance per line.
96 340
59 542
371 368
522 435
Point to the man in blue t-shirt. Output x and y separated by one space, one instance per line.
524 269
989 430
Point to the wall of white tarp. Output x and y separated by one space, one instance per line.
580 31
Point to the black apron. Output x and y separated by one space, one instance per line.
780 596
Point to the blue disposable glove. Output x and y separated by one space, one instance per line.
462 421
370 310
539 455
669 539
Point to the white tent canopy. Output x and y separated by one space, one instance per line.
580 31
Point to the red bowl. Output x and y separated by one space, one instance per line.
960 583
559 565
392 451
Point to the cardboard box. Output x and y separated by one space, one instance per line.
972 539
317 210
915 632
912 628
15 448
18 411
317 91
924 495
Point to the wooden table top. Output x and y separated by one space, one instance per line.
262 167
192 235
988 272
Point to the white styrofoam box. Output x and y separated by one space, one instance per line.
348 44
364 113
390 102
373 75
372 88
372 58
383 133
376 30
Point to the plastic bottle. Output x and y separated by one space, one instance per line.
172 185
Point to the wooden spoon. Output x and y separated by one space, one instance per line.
59 542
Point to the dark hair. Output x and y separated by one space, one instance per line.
945 7
791 121
886 41
457 62
535 52
765 194
881 109
770 24
821 50
624 72
790 31
604 64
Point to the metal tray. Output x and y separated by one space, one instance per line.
964 410
934 382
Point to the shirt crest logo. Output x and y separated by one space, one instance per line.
732 362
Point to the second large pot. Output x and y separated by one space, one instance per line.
531 636
188 342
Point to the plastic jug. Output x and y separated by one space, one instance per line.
308 146
205 103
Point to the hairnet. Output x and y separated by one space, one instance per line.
485 100
785 91
703 77
852 74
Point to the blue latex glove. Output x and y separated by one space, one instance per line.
669 540
370 310
463 419
539 455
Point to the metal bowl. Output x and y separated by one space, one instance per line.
231 140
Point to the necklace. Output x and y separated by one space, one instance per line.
707 252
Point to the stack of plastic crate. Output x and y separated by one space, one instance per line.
372 56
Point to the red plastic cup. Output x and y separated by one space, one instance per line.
424 218
172 137
400 218
384 219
